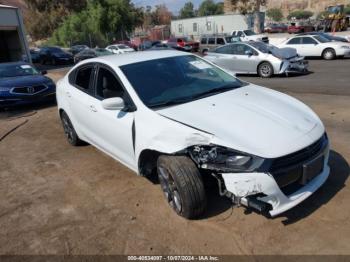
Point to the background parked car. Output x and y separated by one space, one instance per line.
328 36
210 42
249 35
128 43
258 58
145 45
54 56
34 54
21 83
276 28
91 53
300 27
119 49
317 46
184 42
160 46
77 48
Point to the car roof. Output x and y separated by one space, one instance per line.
135 57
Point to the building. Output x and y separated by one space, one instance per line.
13 43
217 24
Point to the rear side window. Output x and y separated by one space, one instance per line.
220 41
211 41
204 41
308 41
83 77
294 41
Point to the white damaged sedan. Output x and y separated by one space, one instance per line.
182 118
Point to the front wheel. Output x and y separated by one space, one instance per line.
329 54
182 185
265 70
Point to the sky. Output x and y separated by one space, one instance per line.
173 5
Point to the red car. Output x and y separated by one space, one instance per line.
300 27
276 28
182 42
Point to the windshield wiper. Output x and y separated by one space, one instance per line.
215 91
169 103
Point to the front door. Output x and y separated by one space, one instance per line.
112 128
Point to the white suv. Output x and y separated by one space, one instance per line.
182 118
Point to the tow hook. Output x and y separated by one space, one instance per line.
255 204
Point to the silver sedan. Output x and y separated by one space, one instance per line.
258 58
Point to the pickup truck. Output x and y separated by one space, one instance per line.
249 35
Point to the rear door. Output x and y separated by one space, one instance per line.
225 57
310 46
296 43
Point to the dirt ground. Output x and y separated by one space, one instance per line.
57 199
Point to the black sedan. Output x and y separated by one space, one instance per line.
91 53
77 49
55 56
21 83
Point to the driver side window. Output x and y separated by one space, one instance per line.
107 85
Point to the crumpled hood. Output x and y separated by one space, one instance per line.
24 81
252 119
284 53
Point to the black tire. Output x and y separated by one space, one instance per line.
265 70
329 54
69 131
182 185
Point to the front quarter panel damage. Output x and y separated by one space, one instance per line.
160 135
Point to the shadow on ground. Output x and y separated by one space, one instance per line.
340 171
24 110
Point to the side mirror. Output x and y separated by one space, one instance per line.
44 72
115 103
248 53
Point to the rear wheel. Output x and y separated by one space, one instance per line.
182 185
329 54
69 131
265 70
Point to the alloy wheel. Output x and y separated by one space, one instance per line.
169 189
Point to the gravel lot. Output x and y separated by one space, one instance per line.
56 199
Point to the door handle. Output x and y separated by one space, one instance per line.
93 108
68 94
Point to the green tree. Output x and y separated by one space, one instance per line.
187 11
300 14
99 23
209 7
49 14
347 10
275 14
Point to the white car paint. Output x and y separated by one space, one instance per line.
249 37
250 119
315 48
119 49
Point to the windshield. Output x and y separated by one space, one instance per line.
123 47
176 80
262 47
321 39
17 70
249 32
